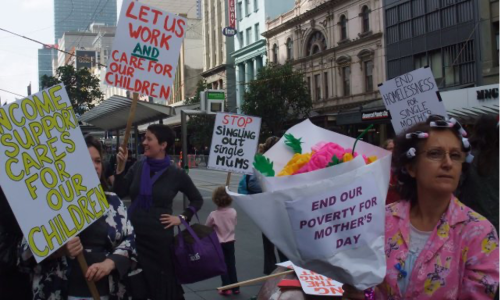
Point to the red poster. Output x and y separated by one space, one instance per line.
232 14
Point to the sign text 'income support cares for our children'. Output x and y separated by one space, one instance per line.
234 143
47 176
145 50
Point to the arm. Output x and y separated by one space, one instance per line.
122 181
210 220
480 279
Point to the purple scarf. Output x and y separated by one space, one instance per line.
157 167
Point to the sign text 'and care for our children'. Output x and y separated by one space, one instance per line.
234 142
52 196
145 50
338 219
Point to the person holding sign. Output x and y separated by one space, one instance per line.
153 183
108 246
436 247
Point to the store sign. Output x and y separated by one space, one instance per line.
85 59
229 31
375 115
487 94
232 13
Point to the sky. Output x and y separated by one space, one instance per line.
18 56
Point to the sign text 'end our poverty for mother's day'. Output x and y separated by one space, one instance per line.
337 219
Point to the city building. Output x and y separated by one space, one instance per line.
218 64
45 56
339 47
77 15
458 40
191 9
250 46
489 28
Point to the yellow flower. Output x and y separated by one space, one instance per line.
298 161
347 157
371 159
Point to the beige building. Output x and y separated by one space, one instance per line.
339 47
218 64
191 8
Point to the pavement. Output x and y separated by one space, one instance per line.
249 249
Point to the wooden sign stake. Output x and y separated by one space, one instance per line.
228 179
251 281
131 116
83 265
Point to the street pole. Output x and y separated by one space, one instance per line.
184 150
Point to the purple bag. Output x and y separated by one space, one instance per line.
197 253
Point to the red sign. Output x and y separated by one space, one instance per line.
232 14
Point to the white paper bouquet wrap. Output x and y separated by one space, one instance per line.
330 221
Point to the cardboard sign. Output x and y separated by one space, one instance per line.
47 175
234 143
145 50
411 98
313 283
336 220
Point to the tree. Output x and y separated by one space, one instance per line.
200 127
82 87
279 95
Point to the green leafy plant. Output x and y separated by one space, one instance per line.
264 165
293 143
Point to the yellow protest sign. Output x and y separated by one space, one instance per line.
47 174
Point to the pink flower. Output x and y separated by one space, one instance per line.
322 157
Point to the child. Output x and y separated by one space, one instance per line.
223 220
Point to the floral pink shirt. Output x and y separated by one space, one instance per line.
459 261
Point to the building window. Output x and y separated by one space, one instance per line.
240 39
317 87
419 61
316 43
495 30
240 12
343 27
436 64
325 80
369 76
257 32
289 49
309 83
249 35
366 18
255 5
275 53
346 78
247 7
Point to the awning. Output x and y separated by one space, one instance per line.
112 113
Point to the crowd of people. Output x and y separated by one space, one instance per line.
441 223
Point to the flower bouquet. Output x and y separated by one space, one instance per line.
323 203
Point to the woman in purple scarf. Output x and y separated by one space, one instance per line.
152 184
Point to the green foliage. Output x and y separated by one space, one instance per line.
293 143
263 165
279 95
335 161
200 86
82 87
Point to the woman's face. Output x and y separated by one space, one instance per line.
390 146
152 148
438 163
96 159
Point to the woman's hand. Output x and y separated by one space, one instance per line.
99 270
170 220
351 293
73 247
121 159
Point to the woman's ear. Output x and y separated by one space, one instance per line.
410 169
164 146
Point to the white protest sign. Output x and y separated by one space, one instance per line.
313 283
411 98
336 220
234 143
145 50
48 176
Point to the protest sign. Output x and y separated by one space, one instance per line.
234 143
313 283
145 50
48 176
336 220
411 98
